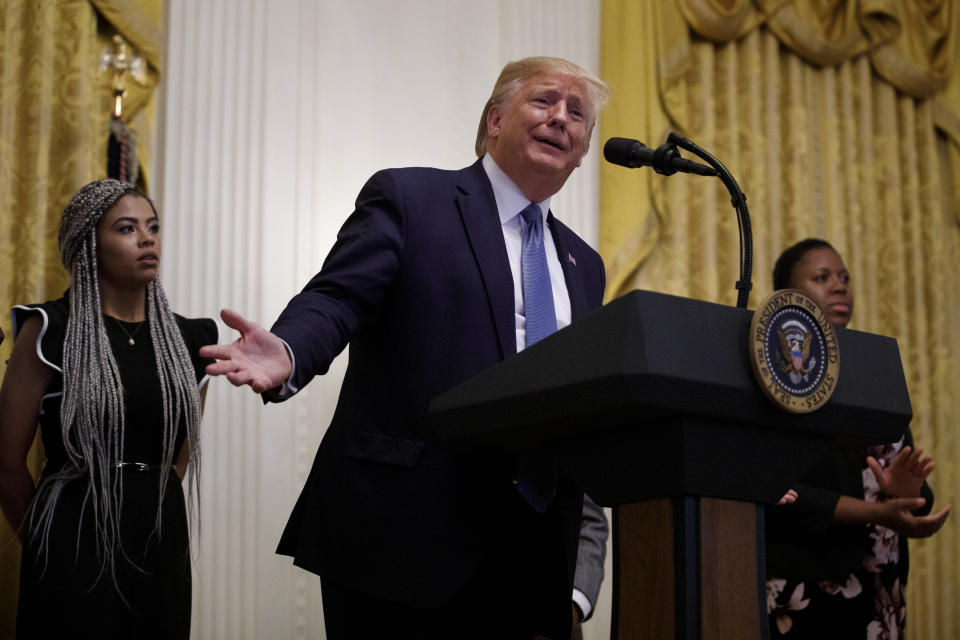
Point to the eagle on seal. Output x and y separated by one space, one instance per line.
795 346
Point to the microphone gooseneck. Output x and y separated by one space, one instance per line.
666 160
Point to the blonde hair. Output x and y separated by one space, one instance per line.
515 73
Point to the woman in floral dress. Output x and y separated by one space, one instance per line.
837 558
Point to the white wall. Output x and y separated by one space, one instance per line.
274 114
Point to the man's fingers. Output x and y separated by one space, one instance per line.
259 386
236 321
237 376
221 367
237 379
240 378
217 352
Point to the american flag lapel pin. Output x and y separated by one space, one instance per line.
573 260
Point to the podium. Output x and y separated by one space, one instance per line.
650 404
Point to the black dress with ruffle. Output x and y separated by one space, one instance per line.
64 592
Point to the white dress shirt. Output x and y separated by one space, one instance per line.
510 202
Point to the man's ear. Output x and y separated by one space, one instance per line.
493 121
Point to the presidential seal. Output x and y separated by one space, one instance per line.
794 351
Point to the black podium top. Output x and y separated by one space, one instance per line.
650 366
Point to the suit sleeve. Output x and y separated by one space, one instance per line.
346 294
838 473
821 488
591 551
812 512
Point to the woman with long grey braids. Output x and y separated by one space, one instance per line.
114 380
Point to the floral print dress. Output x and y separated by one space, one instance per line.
868 604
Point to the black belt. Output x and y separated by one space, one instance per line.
138 466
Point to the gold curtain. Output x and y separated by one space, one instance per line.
55 107
839 119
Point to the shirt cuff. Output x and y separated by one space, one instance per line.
287 389
582 602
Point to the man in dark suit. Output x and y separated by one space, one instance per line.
428 284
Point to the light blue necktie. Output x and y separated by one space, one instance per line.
537 292
536 479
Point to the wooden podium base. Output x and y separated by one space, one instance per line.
689 568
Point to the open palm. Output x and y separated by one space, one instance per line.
257 358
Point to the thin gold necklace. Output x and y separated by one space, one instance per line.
129 334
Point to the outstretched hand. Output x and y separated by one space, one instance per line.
897 514
905 475
257 358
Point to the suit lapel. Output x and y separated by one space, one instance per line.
579 303
478 209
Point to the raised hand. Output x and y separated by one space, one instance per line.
905 475
257 358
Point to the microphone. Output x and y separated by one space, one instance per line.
665 160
